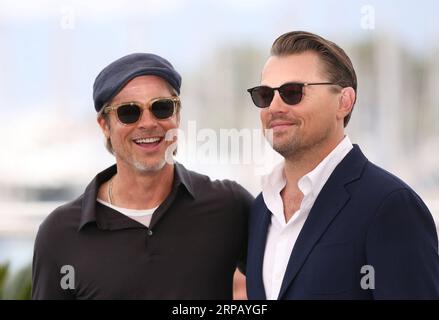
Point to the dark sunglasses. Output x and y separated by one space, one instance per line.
131 112
291 93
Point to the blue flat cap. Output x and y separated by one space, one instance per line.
117 74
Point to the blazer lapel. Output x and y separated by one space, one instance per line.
263 216
328 204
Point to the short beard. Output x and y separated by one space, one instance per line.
291 148
296 149
145 168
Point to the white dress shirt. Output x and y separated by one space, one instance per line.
282 235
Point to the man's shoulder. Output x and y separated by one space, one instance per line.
203 184
356 168
379 187
382 179
62 218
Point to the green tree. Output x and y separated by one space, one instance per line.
15 287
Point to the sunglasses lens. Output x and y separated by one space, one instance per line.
291 93
163 109
262 96
129 113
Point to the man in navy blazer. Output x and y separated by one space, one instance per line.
329 224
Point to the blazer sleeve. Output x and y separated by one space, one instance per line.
245 201
402 248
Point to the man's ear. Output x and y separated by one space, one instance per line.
346 102
105 127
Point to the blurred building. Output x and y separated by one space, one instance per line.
48 159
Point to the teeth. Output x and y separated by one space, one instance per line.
147 140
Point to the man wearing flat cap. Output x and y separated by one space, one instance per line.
145 228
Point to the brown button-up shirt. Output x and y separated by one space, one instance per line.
196 238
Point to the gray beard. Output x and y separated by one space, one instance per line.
144 168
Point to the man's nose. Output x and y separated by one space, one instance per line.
277 105
147 120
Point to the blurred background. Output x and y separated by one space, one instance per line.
51 52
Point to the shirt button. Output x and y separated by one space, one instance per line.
149 233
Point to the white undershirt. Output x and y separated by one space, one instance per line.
282 235
141 216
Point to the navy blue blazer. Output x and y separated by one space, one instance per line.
363 216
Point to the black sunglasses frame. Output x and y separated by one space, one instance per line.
282 90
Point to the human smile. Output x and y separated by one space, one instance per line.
148 143
280 124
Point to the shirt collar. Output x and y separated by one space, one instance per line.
316 179
88 206
183 177
310 184
272 185
275 180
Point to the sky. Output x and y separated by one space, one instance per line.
51 52
35 35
